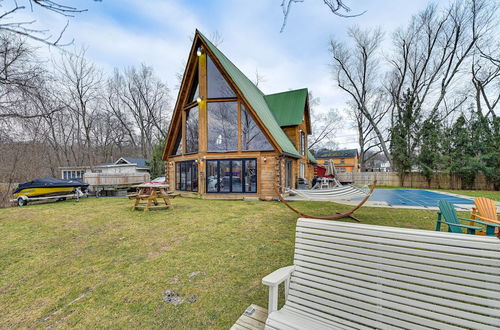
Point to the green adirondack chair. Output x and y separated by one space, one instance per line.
448 216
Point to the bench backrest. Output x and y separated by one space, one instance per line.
365 276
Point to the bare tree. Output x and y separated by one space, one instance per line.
485 71
20 74
80 85
324 126
431 52
139 97
356 71
11 10
337 7
369 144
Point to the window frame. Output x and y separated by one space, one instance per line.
302 143
178 175
238 124
243 170
186 110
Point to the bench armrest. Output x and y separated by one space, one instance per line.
463 226
486 219
278 276
486 223
273 280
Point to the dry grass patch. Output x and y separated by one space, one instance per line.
96 263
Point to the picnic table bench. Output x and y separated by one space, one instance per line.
148 195
357 276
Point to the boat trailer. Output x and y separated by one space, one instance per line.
23 200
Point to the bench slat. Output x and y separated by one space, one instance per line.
411 262
414 276
493 290
468 261
386 286
365 318
403 303
404 282
454 249
369 312
337 319
417 235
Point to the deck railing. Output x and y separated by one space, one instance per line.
102 179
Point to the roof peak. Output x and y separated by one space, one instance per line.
289 91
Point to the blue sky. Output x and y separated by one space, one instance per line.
120 33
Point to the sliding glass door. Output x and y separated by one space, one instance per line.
231 176
186 176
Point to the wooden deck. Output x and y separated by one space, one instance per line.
253 318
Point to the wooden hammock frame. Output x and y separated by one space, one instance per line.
339 215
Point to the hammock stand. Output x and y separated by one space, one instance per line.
339 215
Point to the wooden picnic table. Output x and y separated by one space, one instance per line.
148 194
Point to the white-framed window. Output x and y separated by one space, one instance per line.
302 143
71 174
302 170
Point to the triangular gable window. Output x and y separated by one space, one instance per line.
216 84
252 137
178 145
194 93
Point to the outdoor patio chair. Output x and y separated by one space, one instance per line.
448 215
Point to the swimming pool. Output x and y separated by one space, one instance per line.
414 197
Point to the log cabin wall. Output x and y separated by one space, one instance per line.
268 165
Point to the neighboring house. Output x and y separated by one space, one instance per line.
227 137
73 172
380 166
121 166
346 160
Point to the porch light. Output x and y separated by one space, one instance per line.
199 99
198 52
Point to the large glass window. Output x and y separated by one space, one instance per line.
222 126
178 145
232 176
251 135
186 176
303 143
250 175
237 176
225 176
212 176
192 130
216 84
195 88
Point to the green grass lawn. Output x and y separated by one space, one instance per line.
96 263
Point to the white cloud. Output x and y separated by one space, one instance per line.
126 32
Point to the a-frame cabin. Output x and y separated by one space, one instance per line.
227 139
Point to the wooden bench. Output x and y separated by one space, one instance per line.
357 276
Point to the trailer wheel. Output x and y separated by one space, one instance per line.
21 201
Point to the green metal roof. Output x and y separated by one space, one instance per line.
311 157
255 98
346 153
288 107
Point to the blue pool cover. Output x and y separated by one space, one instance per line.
414 197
